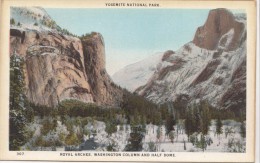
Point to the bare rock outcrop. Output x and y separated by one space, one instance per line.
54 68
104 90
59 67
219 22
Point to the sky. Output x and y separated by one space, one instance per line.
131 35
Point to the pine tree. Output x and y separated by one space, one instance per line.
219 126
171 136
110 127
170 119
12 21
188 122
135 140
158 133
197 119
170 122
243 130
202 143
191 124
151 147
111 146
143 123
205 116
72 139
184 143
17 117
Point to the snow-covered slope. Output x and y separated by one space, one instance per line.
31 18
212 67
201 74
137 74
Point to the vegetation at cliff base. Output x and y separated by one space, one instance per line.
73 122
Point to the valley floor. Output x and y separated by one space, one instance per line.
155 138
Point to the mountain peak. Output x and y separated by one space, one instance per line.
212 67
219 22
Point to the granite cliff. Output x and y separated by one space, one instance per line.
218 23
58 65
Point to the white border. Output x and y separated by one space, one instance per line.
198 157
257 89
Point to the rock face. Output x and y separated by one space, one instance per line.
104 90
59 67
218 23
212 67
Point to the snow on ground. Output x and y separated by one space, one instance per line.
163 142
219 143
119 138
229 141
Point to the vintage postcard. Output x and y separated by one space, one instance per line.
128 81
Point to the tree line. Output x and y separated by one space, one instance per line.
134 110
